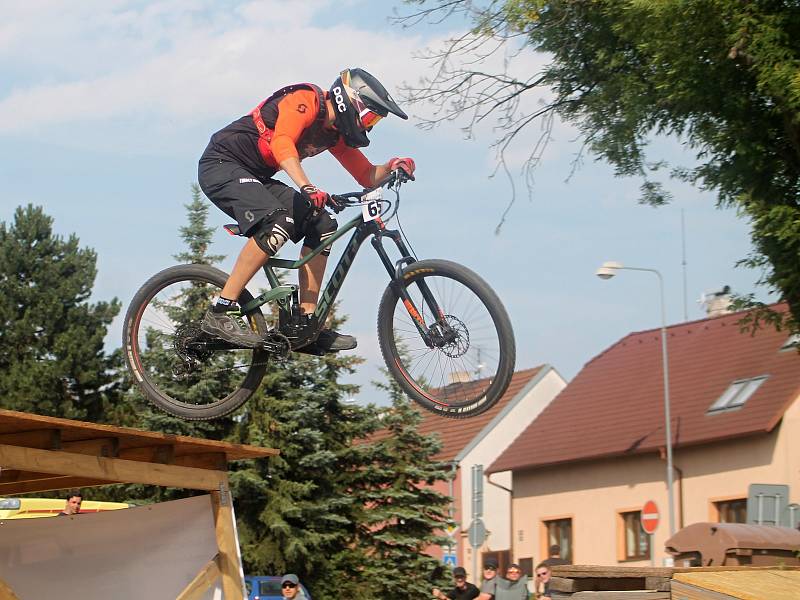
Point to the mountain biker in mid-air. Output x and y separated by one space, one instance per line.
236 173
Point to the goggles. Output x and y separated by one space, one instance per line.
368 117
288 584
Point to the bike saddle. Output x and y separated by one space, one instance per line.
232 228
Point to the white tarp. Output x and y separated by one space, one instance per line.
148 552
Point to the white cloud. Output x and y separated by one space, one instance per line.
169 61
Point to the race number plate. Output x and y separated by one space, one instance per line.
371 209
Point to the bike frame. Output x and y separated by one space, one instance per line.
362 230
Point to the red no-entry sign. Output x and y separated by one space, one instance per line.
650 517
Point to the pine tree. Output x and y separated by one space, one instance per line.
296 511
402 513
52 359
137 411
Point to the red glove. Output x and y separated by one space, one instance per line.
315 196
404 164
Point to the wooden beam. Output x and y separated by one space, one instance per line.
98 447
15 476
230 563
46 439
112 470
202 582
47 485
159 453
208 460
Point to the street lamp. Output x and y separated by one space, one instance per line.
607 271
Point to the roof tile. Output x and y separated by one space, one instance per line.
615 405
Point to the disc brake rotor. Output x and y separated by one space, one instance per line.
451 336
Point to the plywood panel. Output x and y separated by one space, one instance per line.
747 584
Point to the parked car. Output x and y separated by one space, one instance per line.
268 587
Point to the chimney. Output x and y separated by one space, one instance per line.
717 303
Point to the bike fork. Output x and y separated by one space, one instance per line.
395 271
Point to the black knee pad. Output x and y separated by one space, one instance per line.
323 227
271 235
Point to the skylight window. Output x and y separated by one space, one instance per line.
792 342
737 394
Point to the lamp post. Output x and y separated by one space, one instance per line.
607 271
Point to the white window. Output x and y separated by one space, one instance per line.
792 342
737 394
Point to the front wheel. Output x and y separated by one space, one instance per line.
449 344
177 367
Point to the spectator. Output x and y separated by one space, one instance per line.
542 582
514 586
73 505
489 585
463 590
290 587
555 557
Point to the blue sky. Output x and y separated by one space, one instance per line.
106 105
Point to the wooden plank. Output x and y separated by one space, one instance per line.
13 422
161 453
202 582
658 584
578 571
775 584
684 591
16 476
47 485
209 460
621 595
46 439
230 564
106 446
112 470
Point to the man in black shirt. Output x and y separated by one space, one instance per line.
462 590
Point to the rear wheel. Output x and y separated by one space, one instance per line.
463 362
178 368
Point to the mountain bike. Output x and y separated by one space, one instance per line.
444 334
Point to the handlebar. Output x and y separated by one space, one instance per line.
394 179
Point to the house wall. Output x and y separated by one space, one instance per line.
496 501
593 493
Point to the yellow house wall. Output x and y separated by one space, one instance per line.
592 493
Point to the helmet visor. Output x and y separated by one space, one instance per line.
367 116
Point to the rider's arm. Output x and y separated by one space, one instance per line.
295 171
363 171
296 112
356 164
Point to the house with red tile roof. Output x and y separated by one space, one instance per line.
583 470
477 442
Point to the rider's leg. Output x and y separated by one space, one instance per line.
250 260
310 279
260 208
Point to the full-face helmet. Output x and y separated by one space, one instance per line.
359 101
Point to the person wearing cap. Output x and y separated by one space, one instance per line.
290 586
237 173
489 585
463 590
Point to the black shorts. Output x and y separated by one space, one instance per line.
259 205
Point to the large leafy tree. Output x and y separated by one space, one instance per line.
52 359
723 76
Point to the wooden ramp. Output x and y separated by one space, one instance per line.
40 454
745 584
